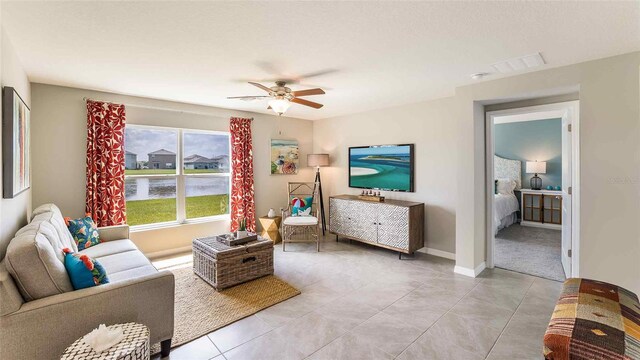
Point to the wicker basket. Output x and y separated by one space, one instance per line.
223 266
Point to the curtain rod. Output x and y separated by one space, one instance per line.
157 108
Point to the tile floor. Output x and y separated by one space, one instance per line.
361 302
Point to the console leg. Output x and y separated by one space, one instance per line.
165 348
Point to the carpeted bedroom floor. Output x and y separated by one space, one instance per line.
530 250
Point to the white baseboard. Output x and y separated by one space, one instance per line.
164 253
470 272
440 253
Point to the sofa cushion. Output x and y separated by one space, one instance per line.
132 273
84 271
57 223
110 248
35 260
123 261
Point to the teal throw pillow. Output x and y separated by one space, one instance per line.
300 205
84 231
84 271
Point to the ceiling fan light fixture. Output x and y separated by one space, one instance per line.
280 106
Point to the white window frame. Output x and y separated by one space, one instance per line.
180 176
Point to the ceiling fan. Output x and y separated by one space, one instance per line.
282 96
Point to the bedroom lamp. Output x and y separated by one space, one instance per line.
319 160
536 167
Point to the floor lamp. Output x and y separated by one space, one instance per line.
319 160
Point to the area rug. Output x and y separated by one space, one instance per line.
530 250
200 309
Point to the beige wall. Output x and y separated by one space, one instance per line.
13 212
450 162
610 158
59 130
423 124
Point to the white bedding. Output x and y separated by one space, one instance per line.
504 208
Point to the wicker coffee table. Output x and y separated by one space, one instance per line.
223 266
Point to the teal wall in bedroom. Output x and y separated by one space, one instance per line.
529 141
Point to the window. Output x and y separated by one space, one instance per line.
175 175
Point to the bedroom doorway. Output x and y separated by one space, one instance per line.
532 197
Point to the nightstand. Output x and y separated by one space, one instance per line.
541 208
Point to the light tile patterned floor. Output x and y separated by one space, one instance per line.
360 302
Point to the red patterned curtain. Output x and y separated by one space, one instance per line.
105 163
242 195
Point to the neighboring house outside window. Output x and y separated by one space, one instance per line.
177 182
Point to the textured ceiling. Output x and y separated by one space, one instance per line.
366 55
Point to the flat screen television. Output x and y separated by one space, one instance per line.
381 167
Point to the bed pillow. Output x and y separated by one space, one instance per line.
506 186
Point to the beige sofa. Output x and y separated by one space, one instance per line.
41 314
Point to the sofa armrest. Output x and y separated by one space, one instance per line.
149 300
116 232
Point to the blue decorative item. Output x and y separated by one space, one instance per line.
549 187
559 188
83 271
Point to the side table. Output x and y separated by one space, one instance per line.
134 346
271 228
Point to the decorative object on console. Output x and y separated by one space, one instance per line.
271 213
16 130
105 197
284 157
395 225
559 188
84 231
242 190
536 167
318 161
83 271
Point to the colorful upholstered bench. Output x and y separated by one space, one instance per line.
594 320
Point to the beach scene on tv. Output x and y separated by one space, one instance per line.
380 167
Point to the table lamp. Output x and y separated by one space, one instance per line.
536 167
319 160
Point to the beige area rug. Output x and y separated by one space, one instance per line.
200 309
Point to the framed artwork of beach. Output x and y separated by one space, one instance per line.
15 144
284 157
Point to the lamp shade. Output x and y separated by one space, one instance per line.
280 106
536 167
318 159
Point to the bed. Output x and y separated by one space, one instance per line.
505 205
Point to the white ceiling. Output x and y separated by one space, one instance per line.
369 54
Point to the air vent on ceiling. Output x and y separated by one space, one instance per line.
519 63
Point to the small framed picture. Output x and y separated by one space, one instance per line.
284 157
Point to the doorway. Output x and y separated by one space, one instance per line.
532 189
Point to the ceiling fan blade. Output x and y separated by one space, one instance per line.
307 103
308 92
260 86
247 97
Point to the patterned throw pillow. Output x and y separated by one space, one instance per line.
300 204
84 231
84 271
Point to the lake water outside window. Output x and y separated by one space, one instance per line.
156 168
